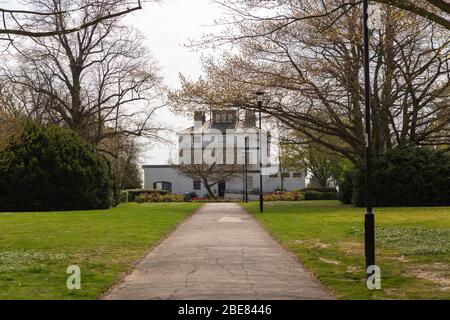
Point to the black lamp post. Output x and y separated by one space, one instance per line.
369 220
259 96
246 170
243 180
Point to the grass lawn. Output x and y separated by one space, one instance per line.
413 246
36 248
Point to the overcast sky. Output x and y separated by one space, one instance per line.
168 26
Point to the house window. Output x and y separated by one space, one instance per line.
197 185
224 116
218 117
181 153
230 117
297 174
180 139
163 185
250 183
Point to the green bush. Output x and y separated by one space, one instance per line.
314 195
133 194
406 177
52 168
346 188
123 197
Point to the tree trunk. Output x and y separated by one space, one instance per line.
210 192
322 181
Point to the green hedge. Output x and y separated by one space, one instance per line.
406 177
314 195
52 168
133 194
284 196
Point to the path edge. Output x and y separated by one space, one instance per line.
120 279
333 294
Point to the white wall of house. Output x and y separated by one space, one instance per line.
181 184
169 173
221 122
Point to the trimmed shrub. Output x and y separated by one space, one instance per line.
284 196
406 177
123 196
314 195
346 188
52 168
133 194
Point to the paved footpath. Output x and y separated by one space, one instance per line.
221 252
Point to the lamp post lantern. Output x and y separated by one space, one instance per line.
259 96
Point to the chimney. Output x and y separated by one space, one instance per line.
250 119
199 116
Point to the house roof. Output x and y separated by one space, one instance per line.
237 126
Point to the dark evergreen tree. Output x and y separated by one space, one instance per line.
407 177
52 168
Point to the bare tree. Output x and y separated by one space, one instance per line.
33 20
123 153
210 174
10 126
312 69
436 11
99 81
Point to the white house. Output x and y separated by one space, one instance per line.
227 126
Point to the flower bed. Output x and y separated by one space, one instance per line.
284 196
156 197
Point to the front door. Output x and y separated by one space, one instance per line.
222 187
